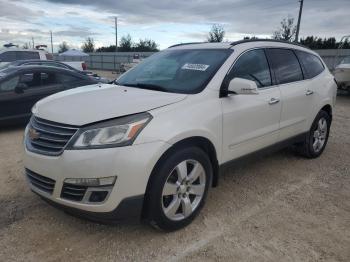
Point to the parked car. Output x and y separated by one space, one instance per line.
21 87
8 55
153 146
54 64
14 54
342 74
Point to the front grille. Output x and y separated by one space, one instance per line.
43 183
73 192
47 137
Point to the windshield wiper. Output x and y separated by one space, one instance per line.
146 86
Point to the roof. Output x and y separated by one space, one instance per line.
11 70
226 45
20 49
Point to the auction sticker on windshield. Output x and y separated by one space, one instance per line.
198 67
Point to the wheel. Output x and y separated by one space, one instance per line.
316 139
178 189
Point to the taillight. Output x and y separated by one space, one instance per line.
84 66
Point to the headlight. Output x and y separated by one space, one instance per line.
118 132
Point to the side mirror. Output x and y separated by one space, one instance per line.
242 86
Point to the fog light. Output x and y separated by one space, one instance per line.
92 182
98 196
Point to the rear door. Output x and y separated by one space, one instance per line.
290 79
251 122
42 84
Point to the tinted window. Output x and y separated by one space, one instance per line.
24 55
38 79
253 66
9 85
312 64
8 56
285 65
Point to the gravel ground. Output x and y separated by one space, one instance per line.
277 208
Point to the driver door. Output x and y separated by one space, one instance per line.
251 122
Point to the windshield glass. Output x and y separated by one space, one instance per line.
346 60
179 71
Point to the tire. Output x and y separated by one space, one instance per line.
171 202
308 147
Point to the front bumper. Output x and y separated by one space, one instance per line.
131 164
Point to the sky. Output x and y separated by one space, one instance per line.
167 22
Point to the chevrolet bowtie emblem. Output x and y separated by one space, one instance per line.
33 134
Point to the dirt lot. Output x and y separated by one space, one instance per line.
277 208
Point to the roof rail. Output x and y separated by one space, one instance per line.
190 43
266 40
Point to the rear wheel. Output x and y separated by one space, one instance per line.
178 189
316 140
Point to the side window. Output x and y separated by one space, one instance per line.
8 56
9 85
49 78
253 65
29 80
312 64
285 65
25 55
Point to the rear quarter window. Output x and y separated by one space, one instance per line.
25 55
312 65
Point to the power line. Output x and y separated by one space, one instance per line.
299 19
116 33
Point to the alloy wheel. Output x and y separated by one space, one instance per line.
183 190
320 135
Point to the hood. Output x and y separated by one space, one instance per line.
88 104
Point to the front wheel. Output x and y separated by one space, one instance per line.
316 140
178 189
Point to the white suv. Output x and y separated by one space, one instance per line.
150 146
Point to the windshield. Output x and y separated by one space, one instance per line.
346 60
179 71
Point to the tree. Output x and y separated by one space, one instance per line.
125 44
110 48
63 47
89 45
287 30
146 45
216 34
315 42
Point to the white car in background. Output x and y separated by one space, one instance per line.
152 145
8 55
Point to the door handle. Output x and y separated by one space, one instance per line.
309 92
273 101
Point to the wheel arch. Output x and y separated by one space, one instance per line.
328 108
203 143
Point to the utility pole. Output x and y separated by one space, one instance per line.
33 42
299 19
51 42
116 33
